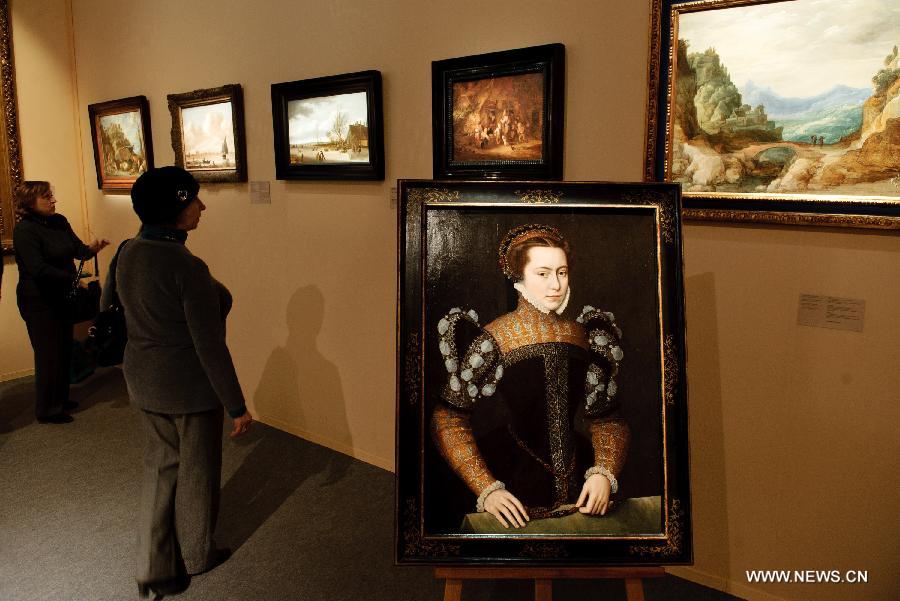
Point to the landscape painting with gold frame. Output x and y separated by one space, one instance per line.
541 403
785 111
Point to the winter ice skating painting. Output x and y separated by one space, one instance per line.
329 129
798 99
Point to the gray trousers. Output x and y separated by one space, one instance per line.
180 496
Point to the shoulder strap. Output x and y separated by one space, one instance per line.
112 272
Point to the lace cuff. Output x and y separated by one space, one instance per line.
613 483
497 485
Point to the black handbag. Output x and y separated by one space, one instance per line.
108 336
83 302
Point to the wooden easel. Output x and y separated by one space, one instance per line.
544 577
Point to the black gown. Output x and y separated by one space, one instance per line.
529 384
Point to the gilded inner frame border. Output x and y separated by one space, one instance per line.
10 149
710 198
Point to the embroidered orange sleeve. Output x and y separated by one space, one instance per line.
453 436
610 441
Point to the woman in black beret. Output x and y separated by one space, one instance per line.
180 376
46 248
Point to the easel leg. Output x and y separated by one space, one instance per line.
452 589
543 590
634 589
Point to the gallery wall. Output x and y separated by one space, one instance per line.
47 121
791 427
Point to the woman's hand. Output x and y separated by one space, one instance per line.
98 245
241 425
594 497
504 506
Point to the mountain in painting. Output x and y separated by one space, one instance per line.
726 139
779 107
832 115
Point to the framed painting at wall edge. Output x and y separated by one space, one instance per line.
499 115
123 147
329 128
541 366
759 125
208 133
10 150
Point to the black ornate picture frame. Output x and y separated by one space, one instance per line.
499 116
625 270
799 134
122 141
208 133
10 150
329 128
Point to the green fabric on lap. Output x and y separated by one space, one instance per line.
640 515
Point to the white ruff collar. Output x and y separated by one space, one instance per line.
537 305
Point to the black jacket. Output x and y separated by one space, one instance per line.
46 248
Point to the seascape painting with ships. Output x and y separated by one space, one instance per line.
796 97
208 136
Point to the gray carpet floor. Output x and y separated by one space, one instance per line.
304 522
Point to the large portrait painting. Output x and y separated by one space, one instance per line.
329 127
499 115
541 402
784 111
10 153
123 148
208 133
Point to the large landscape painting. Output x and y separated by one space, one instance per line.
798 97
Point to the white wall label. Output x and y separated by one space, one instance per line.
831 312
259 193
393 197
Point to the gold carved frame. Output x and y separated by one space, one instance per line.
10 153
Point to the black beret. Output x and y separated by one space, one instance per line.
159 195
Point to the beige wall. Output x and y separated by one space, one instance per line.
47 123
791 426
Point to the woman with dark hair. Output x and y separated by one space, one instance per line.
46 248
180 376
529 377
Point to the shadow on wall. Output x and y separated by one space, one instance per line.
707 435
300 390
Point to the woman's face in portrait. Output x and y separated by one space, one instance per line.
45 205
189 218
546 276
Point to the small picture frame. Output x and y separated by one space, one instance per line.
208 133
329 128
123 147
499 115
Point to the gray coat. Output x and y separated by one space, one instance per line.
176 360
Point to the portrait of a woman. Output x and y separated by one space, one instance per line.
528 416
